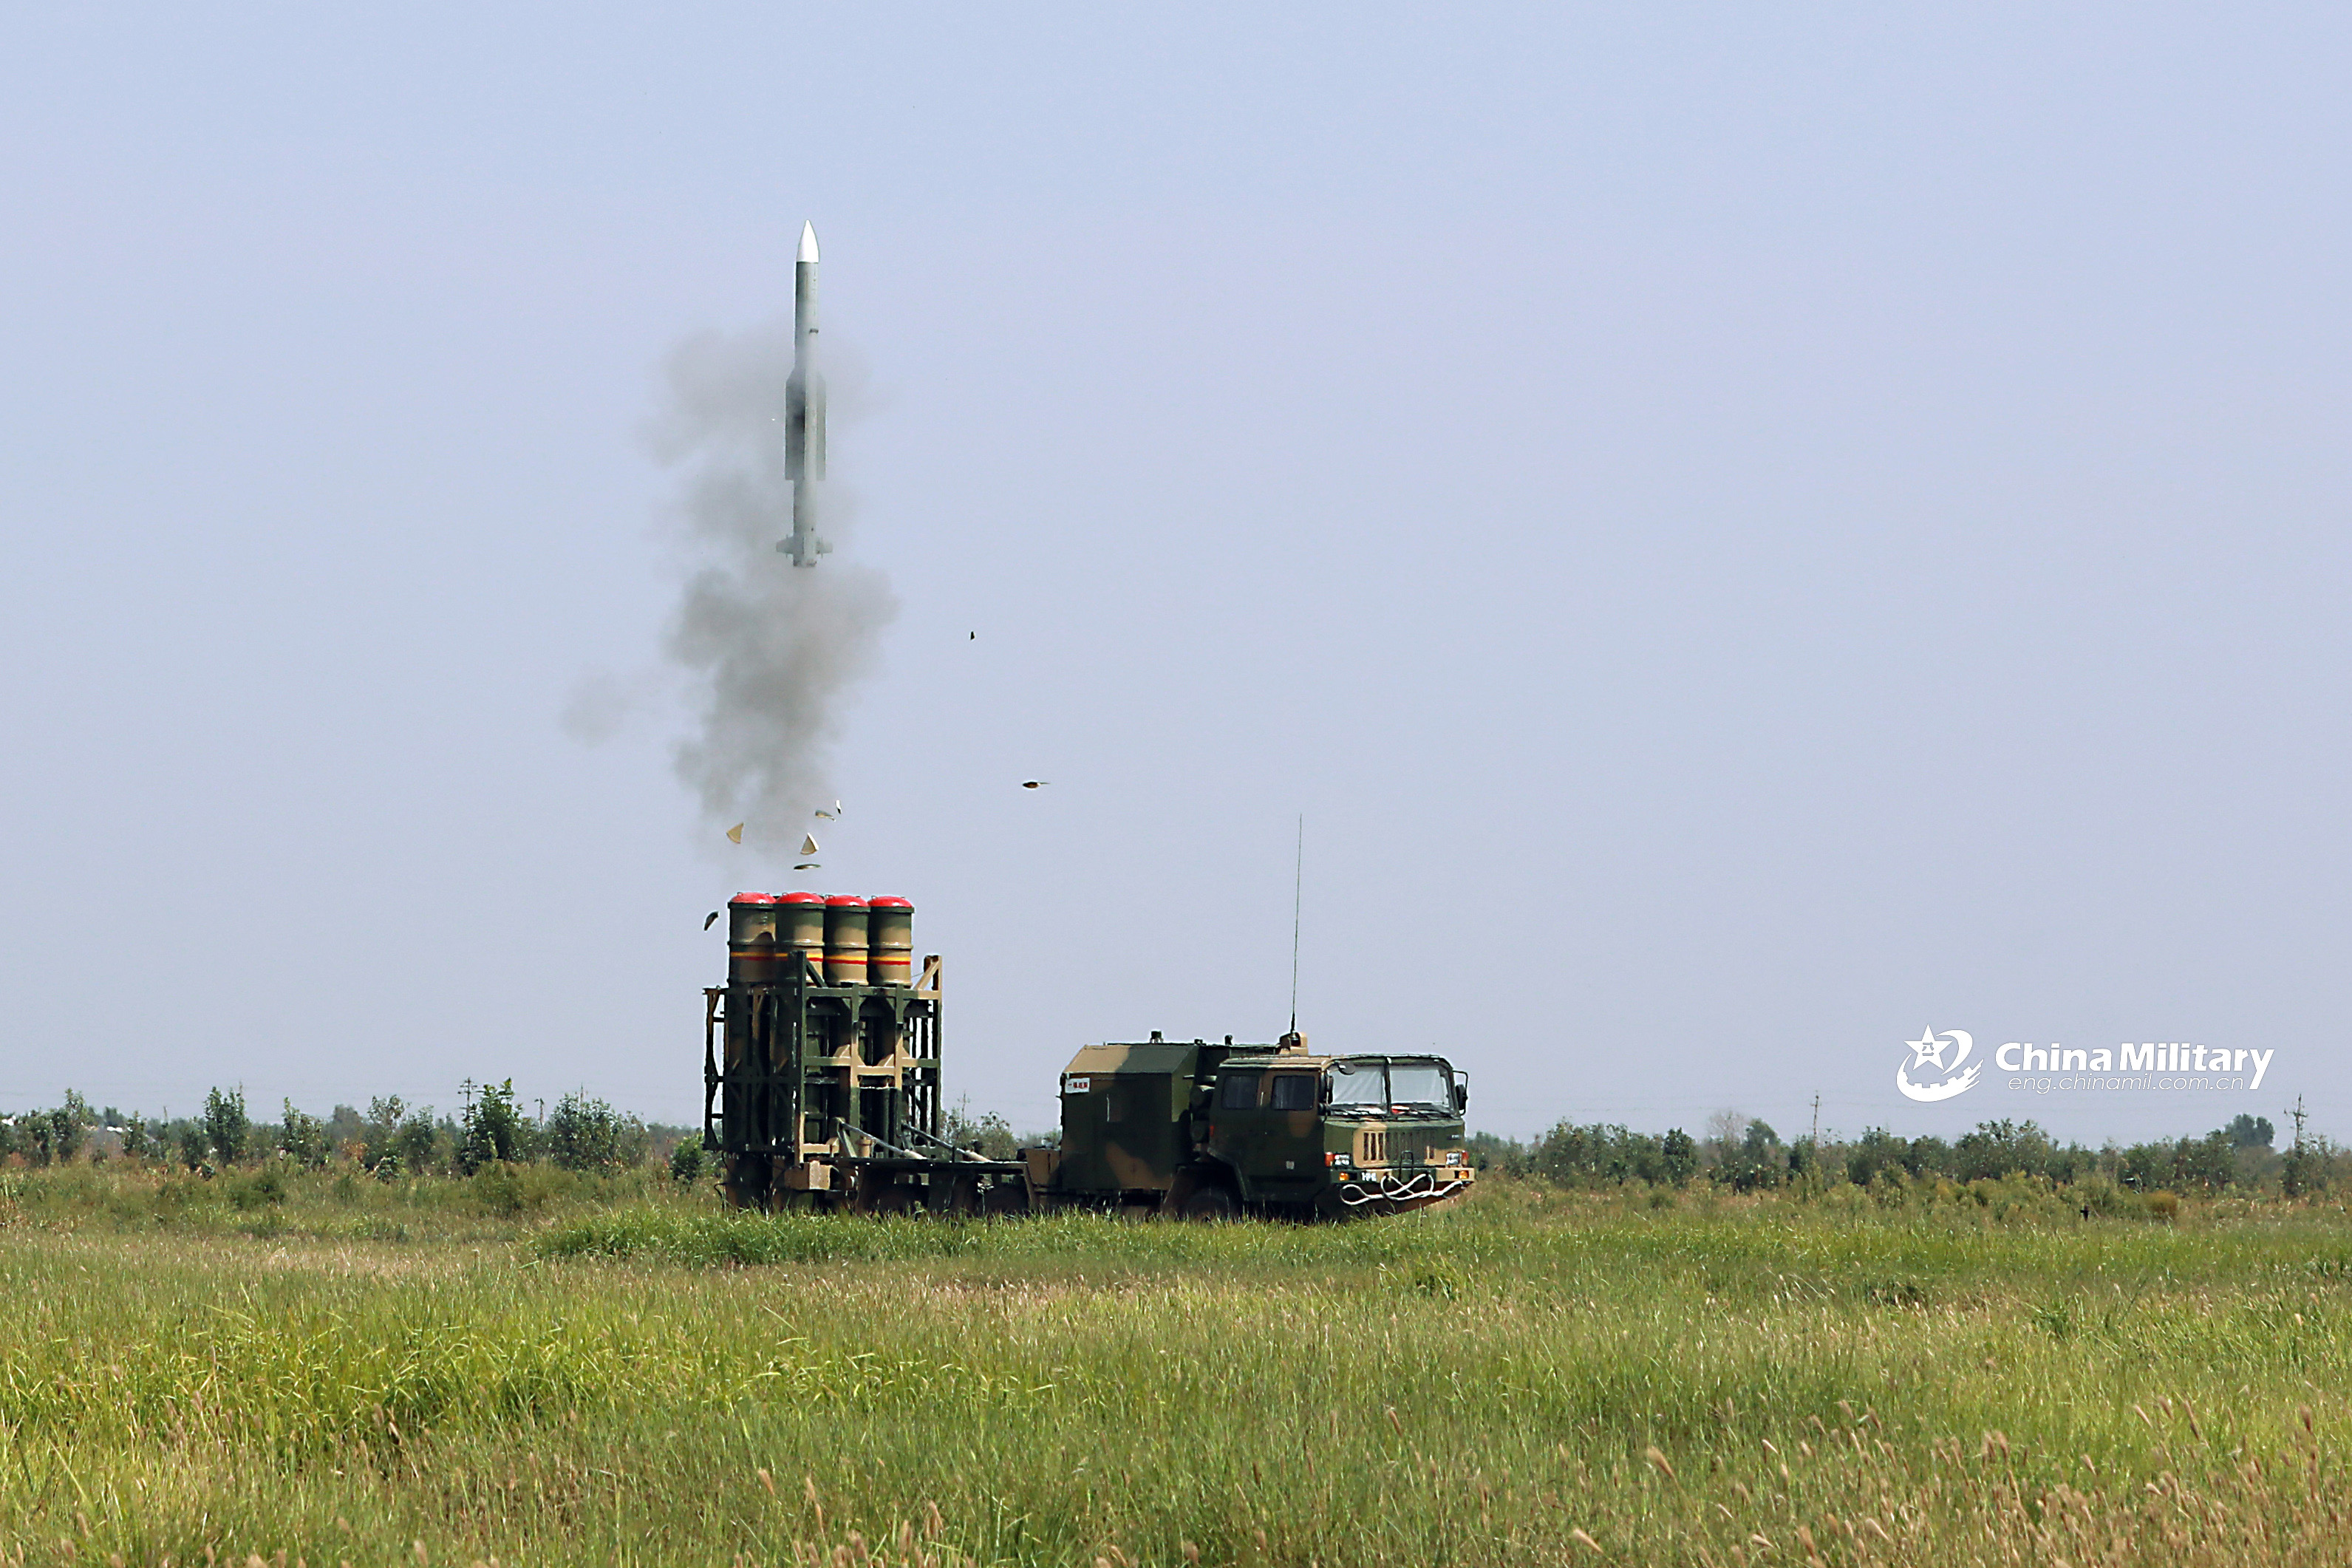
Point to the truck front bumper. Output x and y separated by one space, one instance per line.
1385 1191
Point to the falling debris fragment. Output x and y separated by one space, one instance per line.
735 834
807 866
808 844
1035 784
974 638
711 920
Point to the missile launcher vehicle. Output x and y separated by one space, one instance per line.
1211 1131
821 1071
821 1064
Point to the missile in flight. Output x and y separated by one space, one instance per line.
804 412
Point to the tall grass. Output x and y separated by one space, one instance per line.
627 1375
277 1200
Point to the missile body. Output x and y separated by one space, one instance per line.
804 412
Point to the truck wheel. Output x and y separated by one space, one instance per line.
1211 1205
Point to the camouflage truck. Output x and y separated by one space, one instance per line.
1211 1132
822 1090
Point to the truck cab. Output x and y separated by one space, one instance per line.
1332 1135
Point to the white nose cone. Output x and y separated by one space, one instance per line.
807 256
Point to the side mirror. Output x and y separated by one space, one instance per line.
1461 1097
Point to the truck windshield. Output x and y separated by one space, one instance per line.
1420 1083
1376 1084
1363 1084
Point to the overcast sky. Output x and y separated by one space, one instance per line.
1748 533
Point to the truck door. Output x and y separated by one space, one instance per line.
1266 1128
1235 1117
1293 1129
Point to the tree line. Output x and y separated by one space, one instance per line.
390 1140
1745 1154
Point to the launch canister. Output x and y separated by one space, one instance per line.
890 942
845 940
752 939
800 928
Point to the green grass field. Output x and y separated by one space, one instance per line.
543 1369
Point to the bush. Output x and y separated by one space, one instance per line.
991 1136
587 1134
1678 1157
2245 1132
226 1126
378 1133
494 1131
1748 1153
2207 1163
2001 1149
2104 1198
54 1137
1608 1154
498 1190
266 1188
686 1161
1504 1156
302 1138
417 1144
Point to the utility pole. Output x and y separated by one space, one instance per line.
1817 1120
2292 1176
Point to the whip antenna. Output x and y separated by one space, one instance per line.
1297 891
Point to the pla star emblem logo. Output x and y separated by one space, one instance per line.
1929 1049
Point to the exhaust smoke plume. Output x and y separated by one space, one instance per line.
769 648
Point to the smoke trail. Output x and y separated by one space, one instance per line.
769 648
